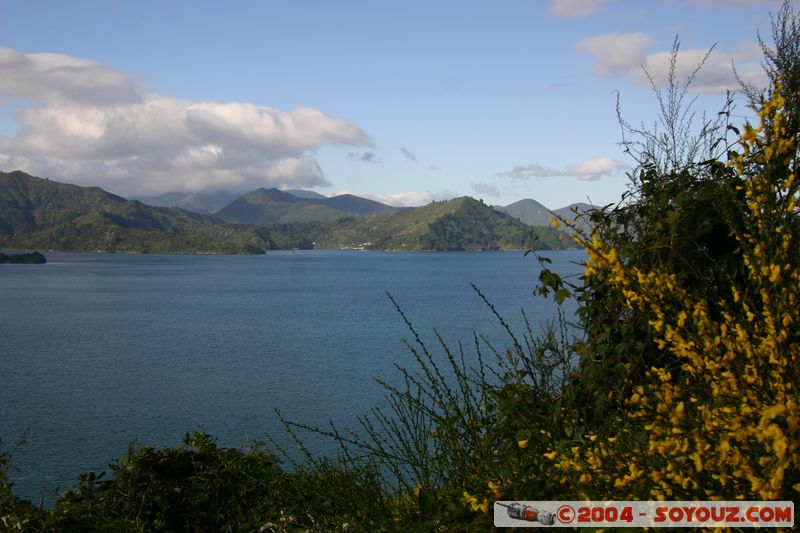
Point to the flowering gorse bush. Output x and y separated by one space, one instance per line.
720 419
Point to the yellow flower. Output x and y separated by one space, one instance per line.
523 443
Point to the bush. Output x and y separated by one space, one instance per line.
202 487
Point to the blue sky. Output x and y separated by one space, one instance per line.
400 101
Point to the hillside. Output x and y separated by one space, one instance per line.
272 206
533 213
204 203
573 213
302 193
43 214
527 211
27 202
459 224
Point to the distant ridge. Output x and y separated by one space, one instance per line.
197 202
301 193
528 212
532 213
273 206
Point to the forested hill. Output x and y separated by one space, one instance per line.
459 224
43 214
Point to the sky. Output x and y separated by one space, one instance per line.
403 102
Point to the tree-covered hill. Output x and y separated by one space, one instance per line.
43 214
37 213
459 224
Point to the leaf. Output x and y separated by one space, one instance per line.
561 295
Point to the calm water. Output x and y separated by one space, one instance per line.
97 350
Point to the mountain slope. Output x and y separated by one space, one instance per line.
355 205
571 209
43 214
459 224
302 193
272 206
533 213
205 203
527 211
27 202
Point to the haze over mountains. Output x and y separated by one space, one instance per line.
38 213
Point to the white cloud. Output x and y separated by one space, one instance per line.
616 53
61 78
488 189
594 169
717 74
625 55
573 8
92 125
588 170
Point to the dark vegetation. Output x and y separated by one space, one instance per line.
32 258
680 383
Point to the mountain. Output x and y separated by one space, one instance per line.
37 213
571 209
459 224
205 203
300 193
355 205
272 206
574 213
528 212
533 213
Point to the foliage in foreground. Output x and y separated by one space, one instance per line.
202 487
716 414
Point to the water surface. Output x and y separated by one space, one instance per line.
98 350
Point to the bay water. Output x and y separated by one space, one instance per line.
101 350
